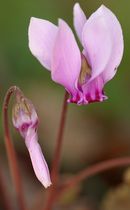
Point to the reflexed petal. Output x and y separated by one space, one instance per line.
103 48
42 35
38 161
79 20
117 41
97 42
66 60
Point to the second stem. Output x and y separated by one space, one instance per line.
57 155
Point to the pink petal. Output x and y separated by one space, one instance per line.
117 42
79 20
42 35
38 161
97 42
66 60
103 43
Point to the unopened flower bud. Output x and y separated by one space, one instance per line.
24 116
25 120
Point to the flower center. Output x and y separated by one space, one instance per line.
85 72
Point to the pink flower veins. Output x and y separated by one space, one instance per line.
83 74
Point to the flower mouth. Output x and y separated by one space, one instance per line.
85 73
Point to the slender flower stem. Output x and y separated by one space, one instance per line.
12 158
57 155
92 170
5 198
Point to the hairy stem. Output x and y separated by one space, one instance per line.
12 158
57 155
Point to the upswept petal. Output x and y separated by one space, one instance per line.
42 35
117 44
66 60
79 20
97 42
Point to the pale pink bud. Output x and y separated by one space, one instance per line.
25 120
24 116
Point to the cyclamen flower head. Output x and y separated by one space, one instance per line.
25 120
83 74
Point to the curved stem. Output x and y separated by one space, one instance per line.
57 155
92 170
12 158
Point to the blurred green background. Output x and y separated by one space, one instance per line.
94 132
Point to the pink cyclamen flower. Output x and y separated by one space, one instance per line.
25 120
83 74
